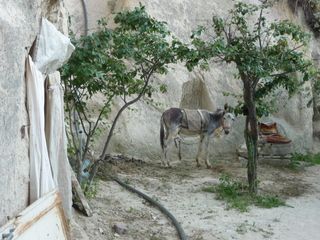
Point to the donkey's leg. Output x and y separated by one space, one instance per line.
169 141
179 142
165 151
199 150
207 147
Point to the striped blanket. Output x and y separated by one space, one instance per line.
196 120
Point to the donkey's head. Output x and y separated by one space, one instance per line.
227 119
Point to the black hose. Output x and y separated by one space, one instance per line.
165 211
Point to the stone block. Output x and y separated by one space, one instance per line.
274 149
120 229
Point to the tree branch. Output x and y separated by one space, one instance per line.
284 73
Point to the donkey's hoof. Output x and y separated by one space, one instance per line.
209 166
199 165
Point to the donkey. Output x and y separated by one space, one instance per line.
192 122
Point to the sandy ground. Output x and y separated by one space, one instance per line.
201 216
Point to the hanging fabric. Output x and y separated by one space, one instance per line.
41 180
51 50
57 139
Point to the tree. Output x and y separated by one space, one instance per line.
118 64
265 56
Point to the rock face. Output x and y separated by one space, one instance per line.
197 89
19 26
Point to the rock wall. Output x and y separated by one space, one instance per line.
19 25
139 135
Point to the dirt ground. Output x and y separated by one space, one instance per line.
179 190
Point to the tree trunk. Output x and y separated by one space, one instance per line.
106 145
251 136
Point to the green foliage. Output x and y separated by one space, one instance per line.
116 64
127 181
297 159
311 14
316 82
265 54
268 58
92 188
237 195
267 201
314 92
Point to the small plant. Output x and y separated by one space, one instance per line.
311 13
154 238
132 210
276 219
165 184
242 227
127 181
92 188
119 148
246 226
237 195
209 189
296 159
267 201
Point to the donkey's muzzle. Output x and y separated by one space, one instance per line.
226 129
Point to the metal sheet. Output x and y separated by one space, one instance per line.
44 219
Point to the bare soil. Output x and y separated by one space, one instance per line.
179 190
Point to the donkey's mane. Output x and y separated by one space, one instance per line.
218 112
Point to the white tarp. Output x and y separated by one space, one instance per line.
52 48
41 181
48 166
57 139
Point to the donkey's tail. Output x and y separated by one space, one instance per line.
161 132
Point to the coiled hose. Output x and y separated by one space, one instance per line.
165 211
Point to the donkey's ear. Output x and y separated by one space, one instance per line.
226 107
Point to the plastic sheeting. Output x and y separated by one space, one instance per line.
49 165
52 48
57 140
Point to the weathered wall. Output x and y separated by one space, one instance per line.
197 89
19 25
